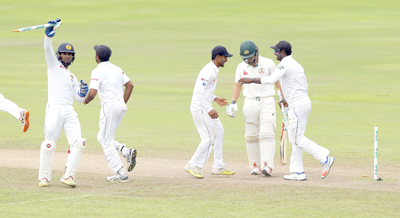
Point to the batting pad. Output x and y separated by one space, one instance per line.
267 144
253 145
47 150
74 158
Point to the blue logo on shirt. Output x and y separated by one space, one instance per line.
204 84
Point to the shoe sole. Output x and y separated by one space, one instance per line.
265 172
73 185
26 126
123 181
327 172
296 179
225 173
255 173
195 175
43 185
133 161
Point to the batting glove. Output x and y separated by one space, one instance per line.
84 89
51 31
231 109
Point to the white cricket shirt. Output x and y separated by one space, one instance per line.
264 68
293 81
204 88
108 80
62 84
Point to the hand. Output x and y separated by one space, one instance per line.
231 109
221 101
84 89
51 31
245 80
283 101
213 114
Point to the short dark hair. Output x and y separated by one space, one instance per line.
102 59
213 57
288 52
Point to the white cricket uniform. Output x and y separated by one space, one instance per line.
9 107
63 86
295 89
108 80
259 112
210 130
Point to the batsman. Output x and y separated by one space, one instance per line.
63 87
258 109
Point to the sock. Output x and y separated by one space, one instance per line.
122 171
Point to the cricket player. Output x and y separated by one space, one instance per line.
107 80
206 118
295 87
13 109
63 86
258 109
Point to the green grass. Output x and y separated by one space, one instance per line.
349 50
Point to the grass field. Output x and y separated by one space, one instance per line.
349 50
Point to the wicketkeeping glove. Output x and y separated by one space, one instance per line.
231 110
84 89
51 31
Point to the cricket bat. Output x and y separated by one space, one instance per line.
284 131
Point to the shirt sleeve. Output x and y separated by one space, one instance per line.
125 78
238 74
51 59
95 80
204 79
280 70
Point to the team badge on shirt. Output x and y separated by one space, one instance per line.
72 78
204 84
202 79
245 73
281 68
261 70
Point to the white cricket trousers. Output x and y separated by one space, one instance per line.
58 117
297 126
9 107
111 115
211 133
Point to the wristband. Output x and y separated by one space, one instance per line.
233 102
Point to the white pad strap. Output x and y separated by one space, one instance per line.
267 144
47 150
253 145
74 158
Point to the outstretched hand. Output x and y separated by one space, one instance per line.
221 101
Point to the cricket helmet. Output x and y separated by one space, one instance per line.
247 50
67 48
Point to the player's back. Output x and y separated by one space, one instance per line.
111 82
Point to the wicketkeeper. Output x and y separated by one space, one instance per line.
63 86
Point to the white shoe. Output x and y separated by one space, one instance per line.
256 171
118 178
296 176
43 183
267 171
70 181
194 171
222 171
131 159
326 167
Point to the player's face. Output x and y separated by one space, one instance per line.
222 60
278 54
66 57
253 61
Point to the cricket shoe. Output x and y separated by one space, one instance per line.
118 178
194 171
267 171
326 167
43 183
131 159
296 176
222 171
24 118
70 181
256 171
